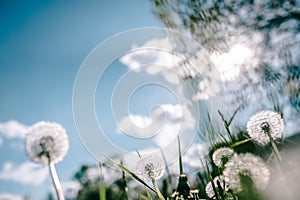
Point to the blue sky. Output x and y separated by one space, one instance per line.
42 45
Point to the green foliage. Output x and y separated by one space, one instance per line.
240 142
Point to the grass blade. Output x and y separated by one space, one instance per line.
133 175
240 142
226 125
180 158
233 115
137 151
125 188
167 167
212 182
102 190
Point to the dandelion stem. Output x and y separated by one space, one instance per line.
160 196
266 128
56 182
277 153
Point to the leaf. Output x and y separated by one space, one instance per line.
240 142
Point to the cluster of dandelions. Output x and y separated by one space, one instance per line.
236 166
47 143
263 127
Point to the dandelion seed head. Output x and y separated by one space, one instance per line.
209 187
150 167
263 122
248 165
47 142
222 154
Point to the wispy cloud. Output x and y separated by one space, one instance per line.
25 173
70 189
13 129
9 196
1 141
172 118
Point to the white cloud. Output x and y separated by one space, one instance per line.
165 123
141 121
70 189
153 54
9 196
13 129
25 173
177 67
206 90
146 54
1 141
135 60
229 64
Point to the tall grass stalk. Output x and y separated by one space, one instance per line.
102 190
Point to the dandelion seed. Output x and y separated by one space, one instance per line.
47 142
218 180
247 165
150 168
221 155
264 124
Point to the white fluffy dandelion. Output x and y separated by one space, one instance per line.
264 124
248 165
209 187
221 154
150 167
47 142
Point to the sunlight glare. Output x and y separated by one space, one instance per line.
229 63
